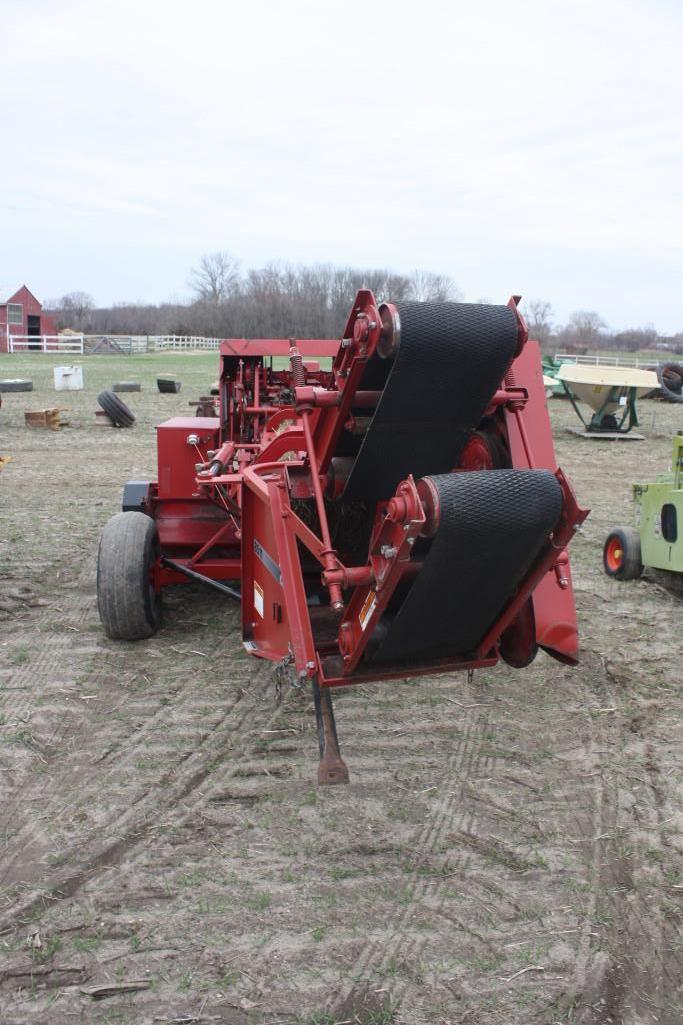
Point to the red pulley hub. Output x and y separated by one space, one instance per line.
478 453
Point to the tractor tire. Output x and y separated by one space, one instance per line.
128 606
670 377
126 386
621 554
16 384
117 411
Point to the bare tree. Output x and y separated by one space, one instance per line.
425 286
585 327
73 308
539 318
215 277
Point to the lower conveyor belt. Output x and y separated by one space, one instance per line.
492 525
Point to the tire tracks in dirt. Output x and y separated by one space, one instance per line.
135 825
448 815
620 966
228 736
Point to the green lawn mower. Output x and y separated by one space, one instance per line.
657 540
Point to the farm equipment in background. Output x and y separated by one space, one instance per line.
399 513
611 392
657 540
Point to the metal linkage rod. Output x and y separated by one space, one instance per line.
179 567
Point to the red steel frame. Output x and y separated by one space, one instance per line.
225 505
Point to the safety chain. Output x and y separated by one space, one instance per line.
282 674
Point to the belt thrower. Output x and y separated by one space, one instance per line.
395 514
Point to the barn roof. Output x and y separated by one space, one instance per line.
6 294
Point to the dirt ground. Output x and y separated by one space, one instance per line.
508 851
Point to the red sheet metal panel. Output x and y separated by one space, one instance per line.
554 609
177 455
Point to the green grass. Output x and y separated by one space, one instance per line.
258 901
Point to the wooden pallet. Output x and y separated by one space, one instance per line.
47 418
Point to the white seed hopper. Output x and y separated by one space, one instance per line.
608 391
593 385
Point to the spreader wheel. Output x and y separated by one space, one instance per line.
621 554
128 605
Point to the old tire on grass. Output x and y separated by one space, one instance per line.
126 386
128 606
116 410
16 384
621 554
670 377
168 385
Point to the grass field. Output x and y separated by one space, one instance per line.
509 850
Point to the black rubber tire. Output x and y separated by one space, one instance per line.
128 607
168 386
631 563
126 386
16 384
670 377
116 410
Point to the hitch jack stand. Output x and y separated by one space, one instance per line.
332 767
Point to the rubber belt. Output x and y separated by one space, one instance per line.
492 526
450 360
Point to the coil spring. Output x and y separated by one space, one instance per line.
297 365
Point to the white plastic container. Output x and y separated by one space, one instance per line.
68 378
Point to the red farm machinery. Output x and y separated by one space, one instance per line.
396 514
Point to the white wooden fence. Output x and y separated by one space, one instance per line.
127 344
606 361
45 343
162 342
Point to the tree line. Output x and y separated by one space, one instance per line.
282 300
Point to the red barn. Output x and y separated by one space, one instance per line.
22 314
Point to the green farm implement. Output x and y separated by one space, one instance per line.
657 540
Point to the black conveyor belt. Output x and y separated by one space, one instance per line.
450 360
492 526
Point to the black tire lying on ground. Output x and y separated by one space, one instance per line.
168 385
670 377
16 384
116 410
128 607
126 386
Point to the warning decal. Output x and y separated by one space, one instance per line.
368 607
258 599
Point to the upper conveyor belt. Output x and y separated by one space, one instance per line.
450 360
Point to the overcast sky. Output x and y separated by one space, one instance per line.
531 147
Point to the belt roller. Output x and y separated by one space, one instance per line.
488 527
445 362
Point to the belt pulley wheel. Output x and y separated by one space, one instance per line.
483 451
